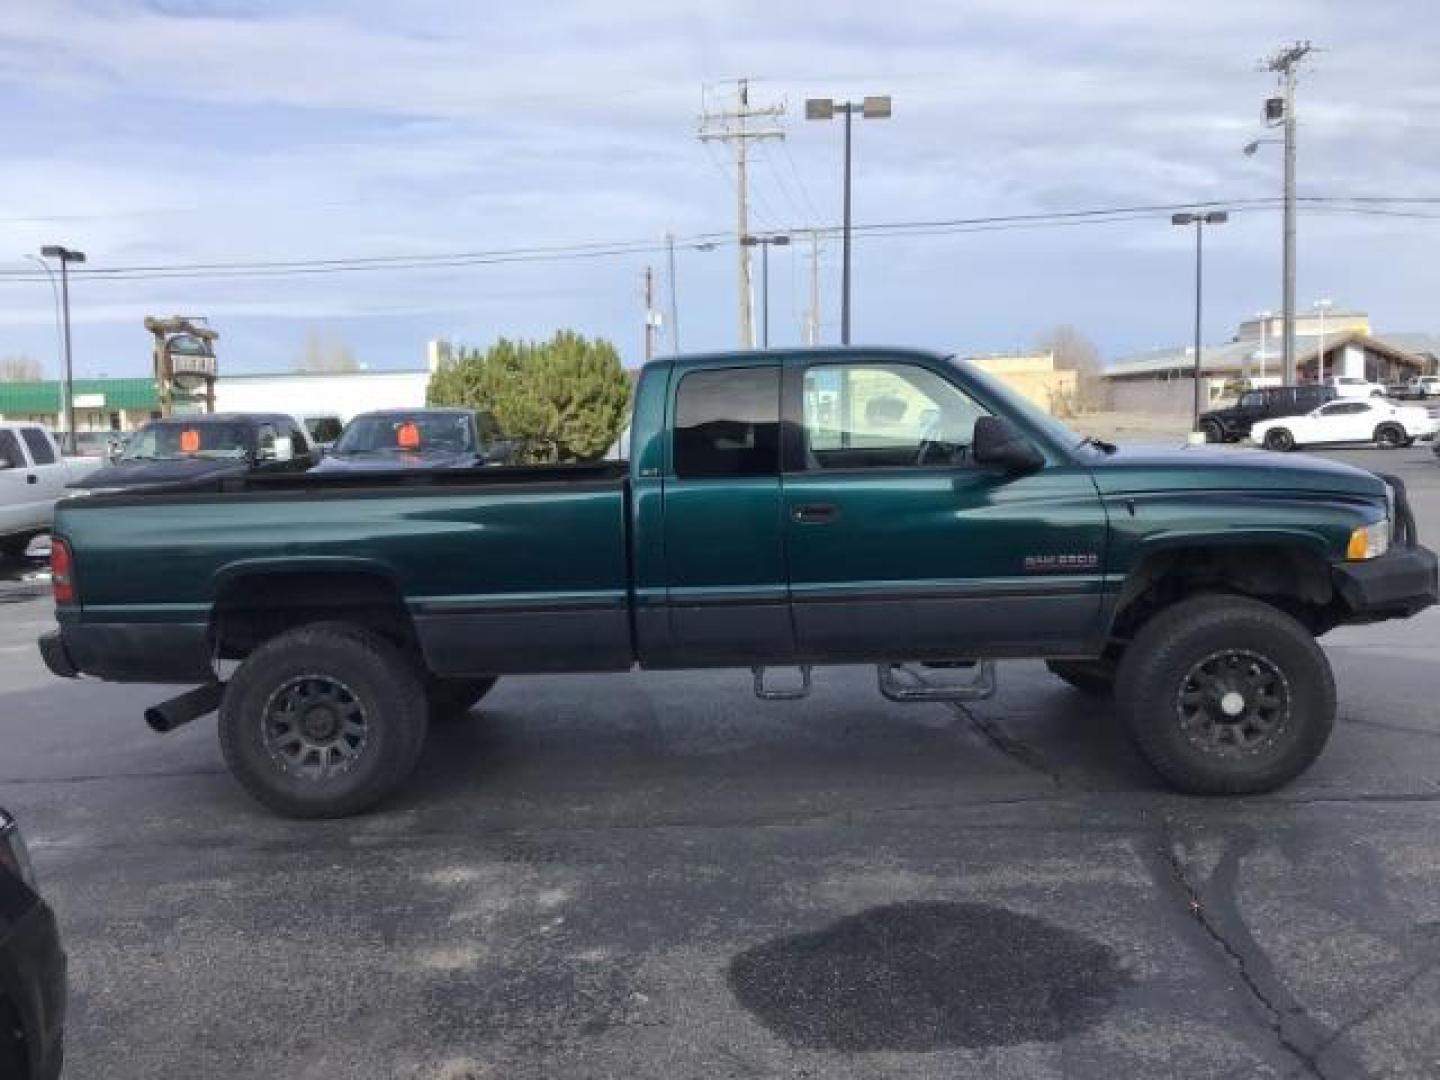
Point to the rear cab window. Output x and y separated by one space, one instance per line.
727 423
42 452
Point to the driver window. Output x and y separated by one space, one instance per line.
860 416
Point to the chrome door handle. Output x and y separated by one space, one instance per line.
814 513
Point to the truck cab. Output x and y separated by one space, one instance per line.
33 475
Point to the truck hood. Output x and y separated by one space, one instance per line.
130 475
1135 469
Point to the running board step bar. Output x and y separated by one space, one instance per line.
794 693
914 687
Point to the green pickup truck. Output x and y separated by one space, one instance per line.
780 510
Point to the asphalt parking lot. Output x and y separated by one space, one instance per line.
659 876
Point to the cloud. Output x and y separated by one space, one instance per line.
182 132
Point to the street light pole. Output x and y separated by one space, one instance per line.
1213 217
55 299
873 107
765 243
66 257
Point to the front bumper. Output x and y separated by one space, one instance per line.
1394 586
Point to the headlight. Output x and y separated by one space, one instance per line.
1369 541
13 855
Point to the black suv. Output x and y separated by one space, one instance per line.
32 969
1233 424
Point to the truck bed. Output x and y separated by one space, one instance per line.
499 569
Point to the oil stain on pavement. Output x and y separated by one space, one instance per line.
928 976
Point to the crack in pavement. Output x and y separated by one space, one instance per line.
1213 908
1007 745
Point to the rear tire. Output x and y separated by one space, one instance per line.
1279 439
1390 436
1093 677
323 721
1213 432
452 699
1224 695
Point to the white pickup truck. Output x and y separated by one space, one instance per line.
33 475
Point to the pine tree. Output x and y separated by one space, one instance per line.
563 400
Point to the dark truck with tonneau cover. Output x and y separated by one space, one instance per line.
781 509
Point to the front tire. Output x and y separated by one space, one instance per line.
1224 695
323 721
1279 439
1390 436
1212 431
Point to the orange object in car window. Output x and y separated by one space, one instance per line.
407 436
190 441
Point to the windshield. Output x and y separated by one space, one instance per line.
1036 417
174 440
409 433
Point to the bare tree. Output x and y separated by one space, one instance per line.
1073 351
323 354
20 369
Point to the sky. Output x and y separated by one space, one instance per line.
184 133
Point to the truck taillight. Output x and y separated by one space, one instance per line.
62 571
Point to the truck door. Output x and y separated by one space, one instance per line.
49 470
724 535
900 547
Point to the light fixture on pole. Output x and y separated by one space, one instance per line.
1199 220
1322 306
66 257
873 107
765 243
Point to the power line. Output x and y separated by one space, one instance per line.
1387 206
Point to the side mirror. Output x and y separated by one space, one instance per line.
998 444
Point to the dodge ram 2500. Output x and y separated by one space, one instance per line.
783 509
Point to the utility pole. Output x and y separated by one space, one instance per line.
674 302
1282 110
731 126
649 315
812 323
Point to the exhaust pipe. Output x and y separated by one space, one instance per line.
169 715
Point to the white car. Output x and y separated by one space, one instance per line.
1352 386
33 475
1373 420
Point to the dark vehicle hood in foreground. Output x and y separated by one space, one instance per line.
333 463
137 474
1199 468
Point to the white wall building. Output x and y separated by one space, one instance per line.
341 394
